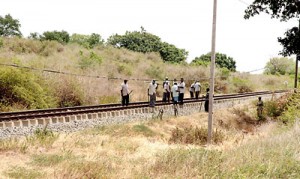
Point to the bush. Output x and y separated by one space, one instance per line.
198 136
68 93
87 61
241 85
19 87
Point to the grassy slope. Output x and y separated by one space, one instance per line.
120 63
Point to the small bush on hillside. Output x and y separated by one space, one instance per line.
124 69
69 93
154 72
197 136
87 61
241 85
23 88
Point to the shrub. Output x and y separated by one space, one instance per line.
68 93
191 135
241 85
23 88
87 61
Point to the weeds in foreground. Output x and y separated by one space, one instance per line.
43 137
50 160
21 172
197 136
13 144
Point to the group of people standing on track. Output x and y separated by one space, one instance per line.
174 92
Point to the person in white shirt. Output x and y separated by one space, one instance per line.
167 89
125 93
197 88
152 93
181 87
175 93
192 89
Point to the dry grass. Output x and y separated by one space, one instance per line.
142 150
117 63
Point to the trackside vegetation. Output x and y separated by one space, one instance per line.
100 70
243 148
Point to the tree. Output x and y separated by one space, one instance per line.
60 36
283 10
9 26
88 41
142 41
280 66
222 61
170 53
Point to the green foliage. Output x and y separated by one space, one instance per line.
170 53
283 10
24 173
87 41
197 136
291 42
224 73
222 61
60 36
89 60
124 69
23 88
292 109
241 85
136 41
145 42
9 26
280 66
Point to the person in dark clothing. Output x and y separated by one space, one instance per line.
206 103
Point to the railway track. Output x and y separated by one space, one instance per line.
58 112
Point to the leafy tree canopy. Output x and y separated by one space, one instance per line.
60 36
222 61
88 41
142 41
280 66
9 26
283 10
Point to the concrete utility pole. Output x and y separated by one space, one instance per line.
212 73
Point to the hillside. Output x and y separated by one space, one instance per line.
94 75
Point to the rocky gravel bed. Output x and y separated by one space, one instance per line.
83 124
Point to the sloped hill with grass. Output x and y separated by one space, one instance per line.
94 75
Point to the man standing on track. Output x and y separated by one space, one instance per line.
166 94
181 87
125 93
152 93
197 88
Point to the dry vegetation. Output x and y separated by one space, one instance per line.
116 65
146 150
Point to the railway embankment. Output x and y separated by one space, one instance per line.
86 120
